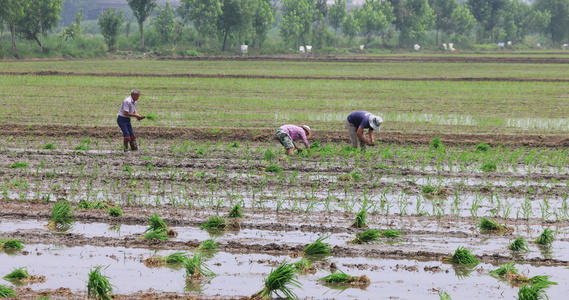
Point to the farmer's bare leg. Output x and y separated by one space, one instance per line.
289 151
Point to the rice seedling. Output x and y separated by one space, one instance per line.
218 222
318 247
176 257
233 145
345 278
196 268
367 237
545 238
427 189
235 212
390 233
115 211
462 256
60 215
82 147
17 274
19 165
126 168
542 280
488 167
304 266
532 292
6 292
507 268
11 244
150 117
98 285
158 234
482 147
444 296
356 175
155 223
490 225
280 281
269 155
436 143
50 146
208 244
519 244
273 169
361 218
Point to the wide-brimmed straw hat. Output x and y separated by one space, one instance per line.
309 132
375 122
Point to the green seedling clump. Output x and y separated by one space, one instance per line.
367 237
436 143
356 175
11 244
126 168
318 247
444 296
115 211
273 169
155 223
85 205
6 292
304 266
462 256
98 285
60 215
488 167
17 274
391 233
208 245
345 278
151 117
234 145
236 212
545 238
19 165
269 155
482 147
196 268
428 189
532 292
280 281
361 219
217 222
50 146
507 268
158 234
541 280
519 244
489 225
176 257
82 147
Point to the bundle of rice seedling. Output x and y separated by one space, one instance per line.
11 244
391 233
208 245
19 165
507 268
462 256
158 234
236 212
84 205
318 247
519 244
60 215
98 285
6 292
345 278
280 281
444 296
436 143
155 223
482 147
49 146
488 167
273 169
151 117
115 211
545 238
490 225
176 257
196 268
541 280
532 292
361 219
17 274
367 237
304 266
217 222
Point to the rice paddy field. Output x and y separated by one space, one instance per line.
464 195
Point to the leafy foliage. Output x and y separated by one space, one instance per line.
214 222
176 257
482 147
155 223
111 23
158 234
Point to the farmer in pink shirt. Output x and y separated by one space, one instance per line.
288 134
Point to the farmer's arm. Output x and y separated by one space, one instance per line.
370 133
135 114
360 134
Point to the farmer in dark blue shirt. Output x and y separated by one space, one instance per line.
357 122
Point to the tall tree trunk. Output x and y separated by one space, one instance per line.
224 40
1 34
13 31
41 35
437 37
198 41
140 25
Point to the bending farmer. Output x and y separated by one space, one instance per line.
357 122
128 110
287 134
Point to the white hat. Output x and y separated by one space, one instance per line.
309 135
375 122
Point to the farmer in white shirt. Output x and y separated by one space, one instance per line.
128 110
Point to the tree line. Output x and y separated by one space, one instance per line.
301 22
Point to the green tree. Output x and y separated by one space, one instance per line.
413 19
235 19
75 30
374 17
337 14
163 22
71 7
262 21
142 9
559 25
202 13
12 11
487 13
298 16
111 23
443 10
322 8
463 21
519 19
350 26
39 17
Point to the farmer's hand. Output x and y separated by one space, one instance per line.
299 150
140 118
370 143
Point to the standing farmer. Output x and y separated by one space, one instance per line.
128 110
287 134
357 122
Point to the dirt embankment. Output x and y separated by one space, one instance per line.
262 135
